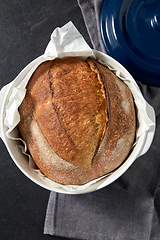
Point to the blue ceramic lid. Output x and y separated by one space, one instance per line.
131 34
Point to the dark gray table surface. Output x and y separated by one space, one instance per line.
25 29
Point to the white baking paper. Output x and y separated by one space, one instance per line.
67 41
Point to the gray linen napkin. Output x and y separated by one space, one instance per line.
129 208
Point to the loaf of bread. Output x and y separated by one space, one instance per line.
78 120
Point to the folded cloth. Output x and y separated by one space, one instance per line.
129 208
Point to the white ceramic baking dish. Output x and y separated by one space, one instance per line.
140 148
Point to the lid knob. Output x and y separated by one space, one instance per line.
155 22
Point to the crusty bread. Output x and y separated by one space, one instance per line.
77 119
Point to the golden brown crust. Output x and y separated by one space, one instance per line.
70 108
78 120
120 133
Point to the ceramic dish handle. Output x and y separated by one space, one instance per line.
151 130
3 93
